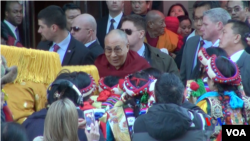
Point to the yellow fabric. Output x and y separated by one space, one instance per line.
25 98
36 70
33 65
90 69
168 40
203 105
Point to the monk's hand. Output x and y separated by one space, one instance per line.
93 134
81 123
1 99
173 55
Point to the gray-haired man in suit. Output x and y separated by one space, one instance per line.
233 41
213 23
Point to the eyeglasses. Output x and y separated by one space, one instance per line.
75 28
198 19
117 51
235 9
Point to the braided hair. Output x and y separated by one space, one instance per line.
227 69
141 79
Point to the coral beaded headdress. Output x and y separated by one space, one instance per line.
90 88
213 72
147 90
102 86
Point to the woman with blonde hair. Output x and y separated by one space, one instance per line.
61 123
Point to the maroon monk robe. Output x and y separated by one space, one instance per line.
133 63
152 41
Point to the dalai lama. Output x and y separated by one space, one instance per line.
157 34
118 60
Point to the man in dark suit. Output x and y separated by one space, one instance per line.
53 28
84 30
233 41
135 28
241 13
213 23
13 18
111 21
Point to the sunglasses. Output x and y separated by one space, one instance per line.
127 31
75 28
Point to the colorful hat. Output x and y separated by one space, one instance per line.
214 73
147 90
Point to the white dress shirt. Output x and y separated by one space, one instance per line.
236 56
206 45
141 51
89 43
63 47
12 28
117 21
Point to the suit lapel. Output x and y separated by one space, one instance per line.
69 52
240 62
93 45
105 24
192 51
120 23
9 30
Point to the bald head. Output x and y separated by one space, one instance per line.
155 21
87 20
153 14
117 32
84 28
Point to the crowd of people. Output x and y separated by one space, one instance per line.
144 76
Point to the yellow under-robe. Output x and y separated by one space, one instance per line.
168 40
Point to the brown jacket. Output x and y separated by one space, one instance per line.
160 60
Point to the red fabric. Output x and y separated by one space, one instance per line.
180 43
103 128
8 114
152 41
103 96
194 86
219 137
11 41
133 63
172 23
86 106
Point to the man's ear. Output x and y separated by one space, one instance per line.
220 26
142 33
6 14
237 38
150 24
54 27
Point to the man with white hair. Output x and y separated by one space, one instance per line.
213 22
83 29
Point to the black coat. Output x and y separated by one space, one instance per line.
170 122
76 54
96 49
102 28
34 125
2 116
